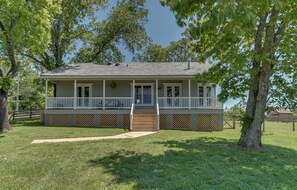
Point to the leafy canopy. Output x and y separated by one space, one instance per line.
226 32
124 26
24 27
76 18
178 51
27 23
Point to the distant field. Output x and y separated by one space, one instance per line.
166 160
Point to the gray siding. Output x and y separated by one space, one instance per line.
123 89
64 89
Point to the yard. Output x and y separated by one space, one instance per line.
166 160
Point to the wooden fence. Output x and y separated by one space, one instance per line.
23 115
233 121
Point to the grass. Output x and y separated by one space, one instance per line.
166 160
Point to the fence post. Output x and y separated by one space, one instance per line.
264 124
13 113
293 123
234 122
30 113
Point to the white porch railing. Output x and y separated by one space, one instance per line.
158 116
114 102
131 116
176 102
183 103
126 103
59 103
88 103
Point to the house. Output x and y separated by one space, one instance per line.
280 115
137 96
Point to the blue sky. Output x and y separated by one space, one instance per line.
161 27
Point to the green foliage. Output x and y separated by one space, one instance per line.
31 29
236 110
5 83
32 90
123 26
113 84
179 51
68 26
226 33
245 122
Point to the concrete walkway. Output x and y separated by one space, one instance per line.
128 135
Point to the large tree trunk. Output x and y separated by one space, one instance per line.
255 111
4 122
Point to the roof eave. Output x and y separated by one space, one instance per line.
115 77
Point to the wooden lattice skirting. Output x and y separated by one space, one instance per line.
200 122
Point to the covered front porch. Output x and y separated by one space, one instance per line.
119 94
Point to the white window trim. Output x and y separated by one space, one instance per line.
86 85
180 85
211 85
152 95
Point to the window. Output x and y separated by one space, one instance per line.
84 92
144 94
173 92
205 94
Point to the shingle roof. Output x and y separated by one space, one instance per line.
128 69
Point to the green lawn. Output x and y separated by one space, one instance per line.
166 160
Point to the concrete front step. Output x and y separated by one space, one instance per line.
145 111
145 119
145 129
145 115
144 123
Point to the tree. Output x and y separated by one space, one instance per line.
69 25
254 46
178 51
123 26
152 53
24 27
237 110
31 91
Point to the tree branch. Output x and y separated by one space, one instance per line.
279 35
32 57
269 38
10 49
259 34
2 26
1 73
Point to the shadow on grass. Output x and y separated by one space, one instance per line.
204 163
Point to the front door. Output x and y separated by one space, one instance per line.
143 94
173 92
83 96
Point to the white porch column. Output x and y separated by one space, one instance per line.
189 88
46 92
133 91
157 92
75 95
103 95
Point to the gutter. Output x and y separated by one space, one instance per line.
118 77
